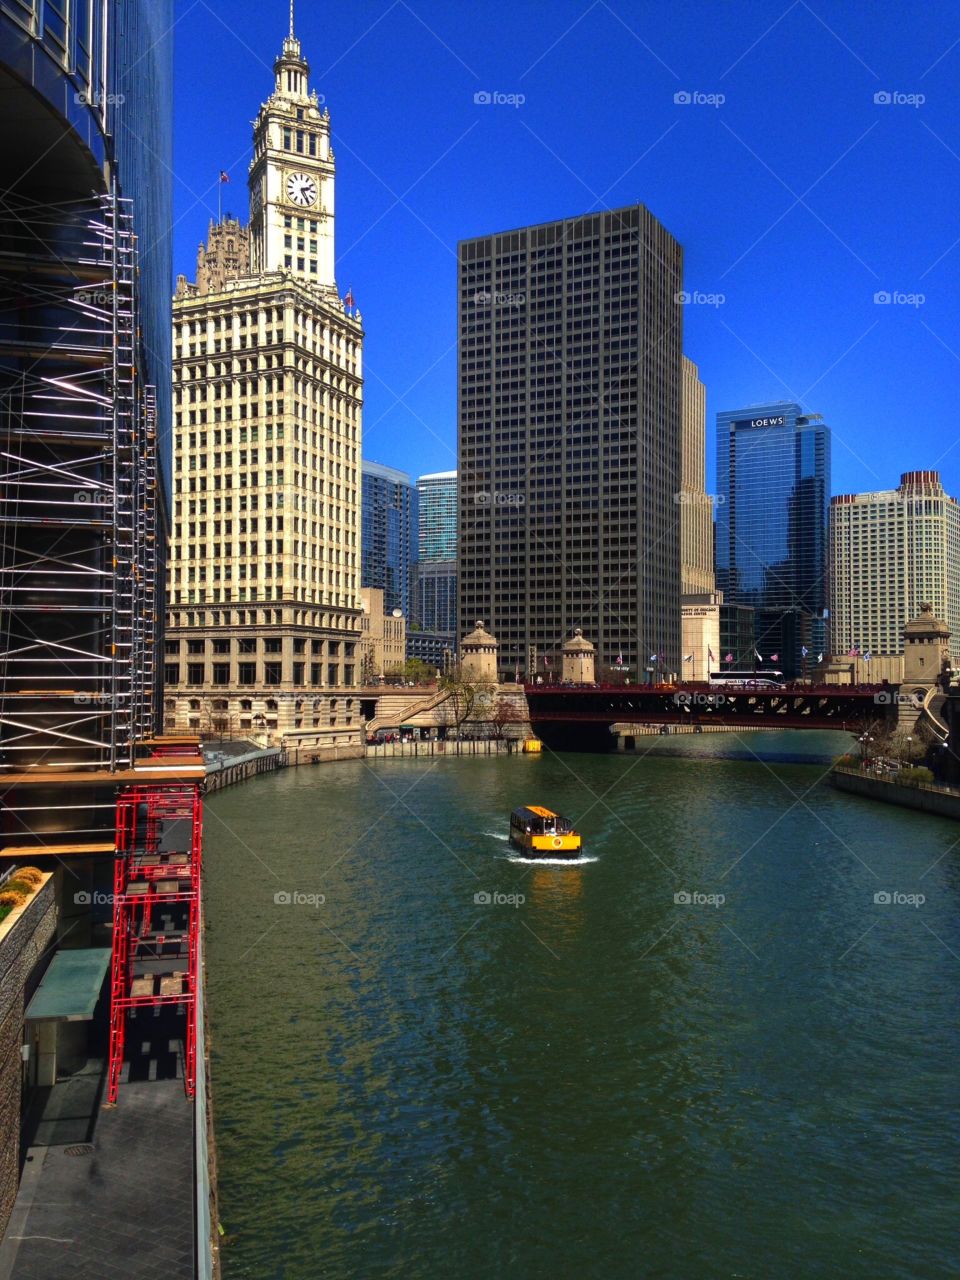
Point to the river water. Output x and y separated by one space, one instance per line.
707 1051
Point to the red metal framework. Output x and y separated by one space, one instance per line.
156 914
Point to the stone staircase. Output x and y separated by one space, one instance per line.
395 709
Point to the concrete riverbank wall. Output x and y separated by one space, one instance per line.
451 747
928 798
225 773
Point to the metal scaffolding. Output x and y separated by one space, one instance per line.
78 493
156 917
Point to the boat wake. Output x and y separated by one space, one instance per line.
496 835
551 862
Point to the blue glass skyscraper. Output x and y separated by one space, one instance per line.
388 534
773 495
435 604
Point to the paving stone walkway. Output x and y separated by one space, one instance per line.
123 1209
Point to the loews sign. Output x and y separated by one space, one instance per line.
763 422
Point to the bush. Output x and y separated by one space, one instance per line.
916 775
847 762
20 887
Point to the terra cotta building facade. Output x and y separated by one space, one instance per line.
264 586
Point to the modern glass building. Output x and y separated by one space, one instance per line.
437 495
435 587
773 486
85 276
389 532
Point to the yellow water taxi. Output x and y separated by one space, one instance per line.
543 833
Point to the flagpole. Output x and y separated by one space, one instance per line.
219 196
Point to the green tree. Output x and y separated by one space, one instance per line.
418 671
466 700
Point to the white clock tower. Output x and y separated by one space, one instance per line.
292 177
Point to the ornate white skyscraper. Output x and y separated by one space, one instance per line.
264 586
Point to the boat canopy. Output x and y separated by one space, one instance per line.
536 818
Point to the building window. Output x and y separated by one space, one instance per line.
194 673
221 646
196 646
171 673
271 672
247 673
172 647
221 673
298 668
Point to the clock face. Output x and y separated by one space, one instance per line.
301 189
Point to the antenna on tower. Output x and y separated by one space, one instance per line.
291 19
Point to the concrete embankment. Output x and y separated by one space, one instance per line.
224 773
927 797
454 747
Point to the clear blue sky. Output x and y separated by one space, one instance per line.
797 199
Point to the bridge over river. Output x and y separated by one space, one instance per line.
580 717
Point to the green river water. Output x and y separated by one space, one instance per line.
585 1075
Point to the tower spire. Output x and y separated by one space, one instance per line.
291 19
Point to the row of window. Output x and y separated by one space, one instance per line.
221 674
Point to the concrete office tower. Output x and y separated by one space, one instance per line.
696 505
773 494
435 602
569 382
264 591
890 553
389 534
700 601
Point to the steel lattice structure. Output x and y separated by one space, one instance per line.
78 495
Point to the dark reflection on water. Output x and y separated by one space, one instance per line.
597 1079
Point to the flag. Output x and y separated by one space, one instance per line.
819 657
516 674
652 658
728 658
866 656
620 658
774 657
804 650
710 655
349 299
688 658
224 176
546 660
854 652
759 655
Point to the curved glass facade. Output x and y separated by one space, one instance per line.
388 534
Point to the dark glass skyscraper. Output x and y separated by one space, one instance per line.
773 486
85 281
388 534
569 439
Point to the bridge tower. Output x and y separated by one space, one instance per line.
478 656
926 662
579 660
